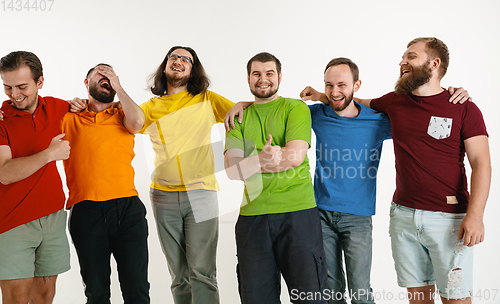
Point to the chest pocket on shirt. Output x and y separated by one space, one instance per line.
439 127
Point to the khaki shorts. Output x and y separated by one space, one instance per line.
35 249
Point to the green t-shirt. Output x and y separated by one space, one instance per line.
285 119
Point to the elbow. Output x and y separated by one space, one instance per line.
232 175
294 163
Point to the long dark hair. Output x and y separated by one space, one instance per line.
198 82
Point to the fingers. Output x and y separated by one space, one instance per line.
459 95
78 105
226 124
59 137
240 117
105 70
307 93
270 139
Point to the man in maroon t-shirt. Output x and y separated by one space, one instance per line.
434 221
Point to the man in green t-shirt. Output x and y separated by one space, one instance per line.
278 230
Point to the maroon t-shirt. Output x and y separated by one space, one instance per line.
428 134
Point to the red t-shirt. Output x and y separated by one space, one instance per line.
428 134
26 134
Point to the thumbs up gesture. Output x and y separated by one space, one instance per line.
270 155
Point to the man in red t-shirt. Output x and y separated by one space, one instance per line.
434 221
33 244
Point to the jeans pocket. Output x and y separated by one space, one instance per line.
393 209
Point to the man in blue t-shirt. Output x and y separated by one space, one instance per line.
349 140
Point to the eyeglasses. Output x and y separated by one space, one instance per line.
174 57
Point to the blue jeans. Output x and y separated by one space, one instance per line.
351 234
426 251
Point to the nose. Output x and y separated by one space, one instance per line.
403 62
336 91
16 92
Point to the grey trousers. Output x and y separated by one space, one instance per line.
188 228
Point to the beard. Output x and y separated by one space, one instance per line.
345 104
419 76
264 95
177 81
101 95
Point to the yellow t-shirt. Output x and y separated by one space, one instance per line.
179 127
99 167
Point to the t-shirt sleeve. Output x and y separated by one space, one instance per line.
220 105
234 138
313 109
473 122
62 106
387 129
4 138
381 104
298 125
147 121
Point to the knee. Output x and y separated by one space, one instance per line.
43 296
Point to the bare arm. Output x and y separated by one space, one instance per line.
292 155
239 167
478 153
311 94
365 102
134 116
236 110
15 169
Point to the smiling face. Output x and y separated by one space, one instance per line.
99 87
340 87
264 80
178 69
415 69
21 89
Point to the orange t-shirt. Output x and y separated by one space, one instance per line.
100 164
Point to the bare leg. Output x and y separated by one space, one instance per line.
16 291
421 295
43 290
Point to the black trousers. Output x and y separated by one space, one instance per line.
118 227
288 244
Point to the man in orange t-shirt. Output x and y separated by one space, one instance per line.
107 216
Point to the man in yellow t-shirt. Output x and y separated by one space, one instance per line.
183 191
107 216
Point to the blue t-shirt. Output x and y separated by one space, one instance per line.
348 151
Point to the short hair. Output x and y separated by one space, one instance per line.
92 69
435 48
198 82
264 57
16 60
346 61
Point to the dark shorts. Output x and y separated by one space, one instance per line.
290 244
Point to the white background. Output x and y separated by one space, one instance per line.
134 37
